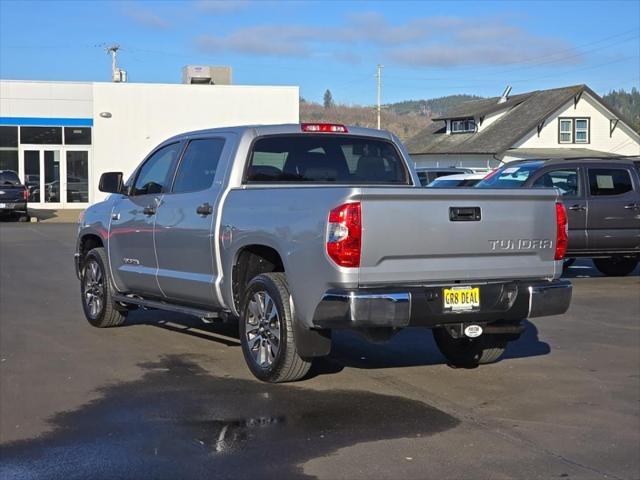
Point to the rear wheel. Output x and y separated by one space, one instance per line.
468 352
266 331
97 292
615 266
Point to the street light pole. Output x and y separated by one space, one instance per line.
379 79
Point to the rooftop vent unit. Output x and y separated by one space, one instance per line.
206 75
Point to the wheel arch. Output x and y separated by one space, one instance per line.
248 262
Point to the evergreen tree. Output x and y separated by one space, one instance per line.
328 99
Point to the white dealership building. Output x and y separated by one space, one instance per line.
61 136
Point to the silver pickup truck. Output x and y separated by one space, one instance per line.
297 230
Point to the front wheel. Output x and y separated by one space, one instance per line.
97 292
615 266
468 352
266 331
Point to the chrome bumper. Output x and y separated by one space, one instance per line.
549 298
343 309
398 307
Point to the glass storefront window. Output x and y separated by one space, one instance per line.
8 136
32 174
52 176
77 135
41 135
9 160
77 176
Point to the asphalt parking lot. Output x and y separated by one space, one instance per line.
169 397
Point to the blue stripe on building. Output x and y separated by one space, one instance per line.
47 122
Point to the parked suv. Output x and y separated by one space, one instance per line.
13 196
602 198
298 230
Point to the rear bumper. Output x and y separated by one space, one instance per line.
423 306
13 207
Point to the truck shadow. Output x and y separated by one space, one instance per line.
411 347
416 347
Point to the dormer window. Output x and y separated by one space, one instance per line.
573 130
463 125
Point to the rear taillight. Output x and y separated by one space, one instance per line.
562 232
323 128
344 235
25 194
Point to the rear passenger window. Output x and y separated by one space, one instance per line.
609 181
198 166
564 179
325 159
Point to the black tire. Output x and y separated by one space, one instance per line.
469 352
257 333
97 292
615 266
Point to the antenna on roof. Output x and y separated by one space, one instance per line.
505 95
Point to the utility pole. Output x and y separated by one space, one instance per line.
379 79
117 74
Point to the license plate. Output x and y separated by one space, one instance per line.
461 299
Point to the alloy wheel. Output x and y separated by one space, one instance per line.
93 288
262 329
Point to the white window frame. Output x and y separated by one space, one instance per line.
585 130
467 125
566 132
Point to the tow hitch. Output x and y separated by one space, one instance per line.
474 330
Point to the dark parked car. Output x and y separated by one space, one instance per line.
429 174
13 195
602 199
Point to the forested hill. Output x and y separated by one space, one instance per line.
627 103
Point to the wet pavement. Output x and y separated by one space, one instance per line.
168 397
179 421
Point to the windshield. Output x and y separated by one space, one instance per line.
9 177
510 176
316 158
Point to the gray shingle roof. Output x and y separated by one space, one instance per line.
527 111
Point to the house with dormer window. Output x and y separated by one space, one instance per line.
556 123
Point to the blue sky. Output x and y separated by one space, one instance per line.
428 49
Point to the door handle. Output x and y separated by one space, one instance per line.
149 210
577 208
632 206
204 209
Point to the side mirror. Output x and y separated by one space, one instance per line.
111 182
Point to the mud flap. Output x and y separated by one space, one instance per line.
311 343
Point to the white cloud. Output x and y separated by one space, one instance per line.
424 41
144 16
221 6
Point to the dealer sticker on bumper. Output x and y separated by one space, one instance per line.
461 299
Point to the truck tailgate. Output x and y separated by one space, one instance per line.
408 235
